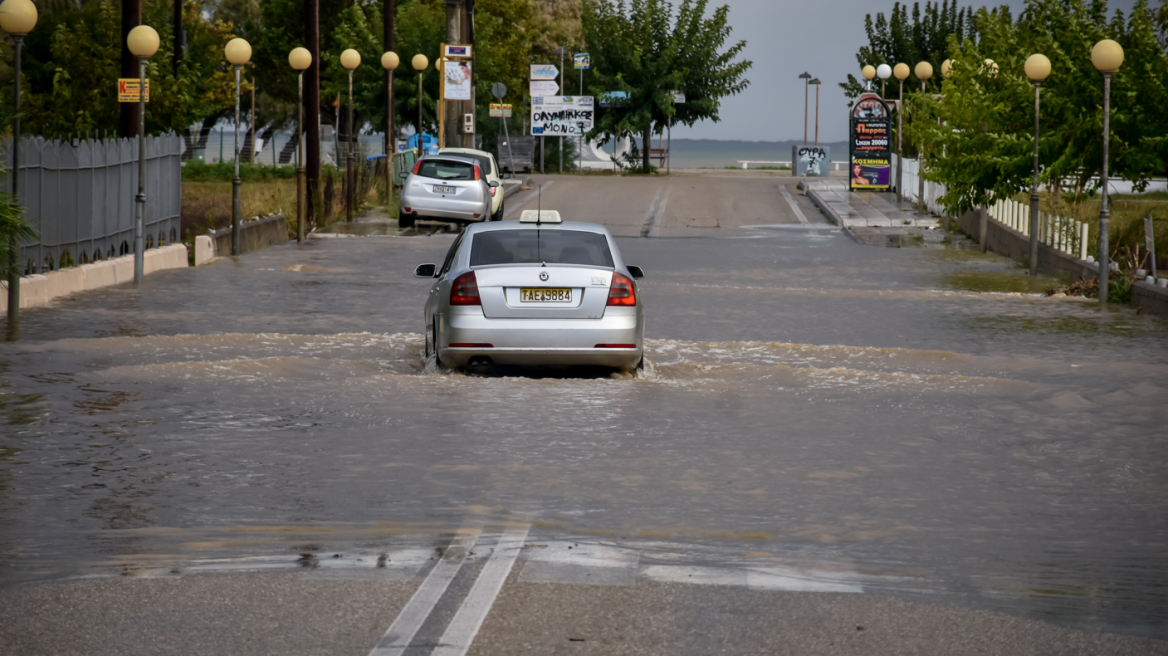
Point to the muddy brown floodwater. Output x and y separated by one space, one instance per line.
807 402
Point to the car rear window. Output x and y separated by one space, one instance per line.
483 160
535 246
444 169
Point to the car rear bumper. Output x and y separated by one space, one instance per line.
426 208
542 341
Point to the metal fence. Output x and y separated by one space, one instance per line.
1059 232
80 196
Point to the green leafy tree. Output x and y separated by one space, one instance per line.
986 136
897 39
647 50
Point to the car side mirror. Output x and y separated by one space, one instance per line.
403 175
425 270
635 272
493 183
506 176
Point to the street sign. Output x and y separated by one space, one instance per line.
506 111
456 51
678 97
498 90
582 61
500 111
544 72
128 89
544 88
561 116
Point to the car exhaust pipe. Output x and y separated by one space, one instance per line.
480 363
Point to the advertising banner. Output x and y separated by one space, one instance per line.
561 116
500 111
870 144
811 161
457 80
582 61
128 89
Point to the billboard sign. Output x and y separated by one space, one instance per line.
870 144
811 161
456 81
561 116
544 72
500 111
582 61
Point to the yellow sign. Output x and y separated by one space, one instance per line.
128 89
497 110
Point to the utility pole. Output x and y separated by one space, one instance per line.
131 18
388 40
451 111
178 35
312 102
468 139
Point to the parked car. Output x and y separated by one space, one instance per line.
536 291
448 188
490 170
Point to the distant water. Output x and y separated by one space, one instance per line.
710 153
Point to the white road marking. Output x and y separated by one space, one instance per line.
400 634
653 217
794 206
466 623
521 203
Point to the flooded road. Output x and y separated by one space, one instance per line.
847 418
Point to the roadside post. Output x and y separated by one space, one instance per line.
561 52
419 62
542 80
1150 242
17 18
498 90
143 43
582 61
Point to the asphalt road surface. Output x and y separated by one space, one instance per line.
834 449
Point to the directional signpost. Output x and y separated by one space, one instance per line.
544 88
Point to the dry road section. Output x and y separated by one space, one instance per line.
833 449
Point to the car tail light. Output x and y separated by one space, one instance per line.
470 345
477 215
465 290
417 166
478 173
408 209
621 291
632 346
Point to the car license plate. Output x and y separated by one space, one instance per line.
442 189
529 295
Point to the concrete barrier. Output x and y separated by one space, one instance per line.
1006 241
254 235
1150 299
204 249
37 290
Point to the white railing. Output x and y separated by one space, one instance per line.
1059 232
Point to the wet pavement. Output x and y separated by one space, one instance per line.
816 417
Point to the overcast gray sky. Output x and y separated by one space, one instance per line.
783 39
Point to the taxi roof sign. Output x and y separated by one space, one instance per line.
540 216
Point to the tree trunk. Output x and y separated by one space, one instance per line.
646 144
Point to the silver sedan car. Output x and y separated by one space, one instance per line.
448 188
536 291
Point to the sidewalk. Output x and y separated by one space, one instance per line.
853 210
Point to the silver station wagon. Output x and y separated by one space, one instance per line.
536 291
447 188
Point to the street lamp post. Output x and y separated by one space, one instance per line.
389 61
924 71
1107 56
946 72
143 43
883 71
868 72
1037 69
806 77
816 83
238 52
990 69
300 59
901 73
419 62
17 18
350 59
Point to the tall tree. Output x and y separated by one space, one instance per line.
646 50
